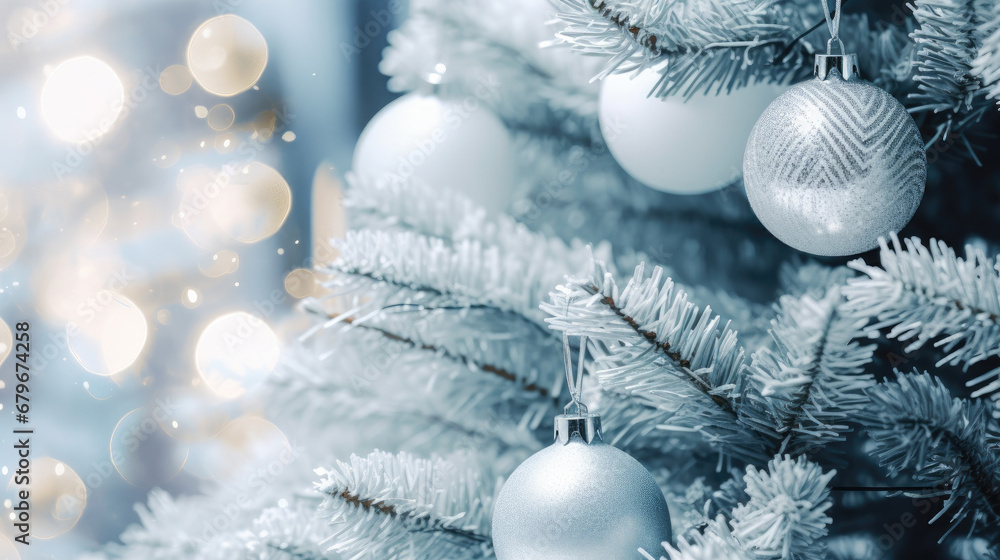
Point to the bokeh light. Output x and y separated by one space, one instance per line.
235 352
175 79
141 451
221 263
6 341
82 98
255 204
108 334
165 153
247 444
300 283
227 55
190 298
221 117
58 498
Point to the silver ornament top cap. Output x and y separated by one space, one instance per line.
586 425
845 64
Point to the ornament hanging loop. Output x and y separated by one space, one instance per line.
576 419
845 64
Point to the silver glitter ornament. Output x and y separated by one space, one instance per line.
834 162
579 499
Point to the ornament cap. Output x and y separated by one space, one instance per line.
586 425
846 66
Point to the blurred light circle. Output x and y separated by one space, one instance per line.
6 341
200 111
246 445
221 263
81 99
190 298
254 205
221 117
175 79
300 283
141 451
107 334
58 497
235 352
227 55
225 142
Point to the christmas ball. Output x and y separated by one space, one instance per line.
455 144
833 164
579 499
677 146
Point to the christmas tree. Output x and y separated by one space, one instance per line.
787 406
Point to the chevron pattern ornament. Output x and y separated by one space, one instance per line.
833 164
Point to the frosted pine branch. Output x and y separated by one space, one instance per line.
948 40
385 505
661 351
813 382
947 443
986 66
708 44
929 294
784 517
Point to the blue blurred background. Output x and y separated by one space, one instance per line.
150 152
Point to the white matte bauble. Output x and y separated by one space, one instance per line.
834 163
576 500
677 146
454 144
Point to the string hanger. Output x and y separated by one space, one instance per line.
574 380
833 25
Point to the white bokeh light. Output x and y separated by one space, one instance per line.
81 99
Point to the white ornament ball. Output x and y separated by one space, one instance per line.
678 146
580 501
834 164
453 144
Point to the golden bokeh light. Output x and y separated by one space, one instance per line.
58 497
142 452
81 99
235 352
221 117
108 333
227 55
244 446
255 205
300 283
175 79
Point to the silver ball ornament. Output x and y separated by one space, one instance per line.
579 499
834 163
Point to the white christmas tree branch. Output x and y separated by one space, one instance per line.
655 347
948 443
986 66
923 294
784 516
386 505
813 382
